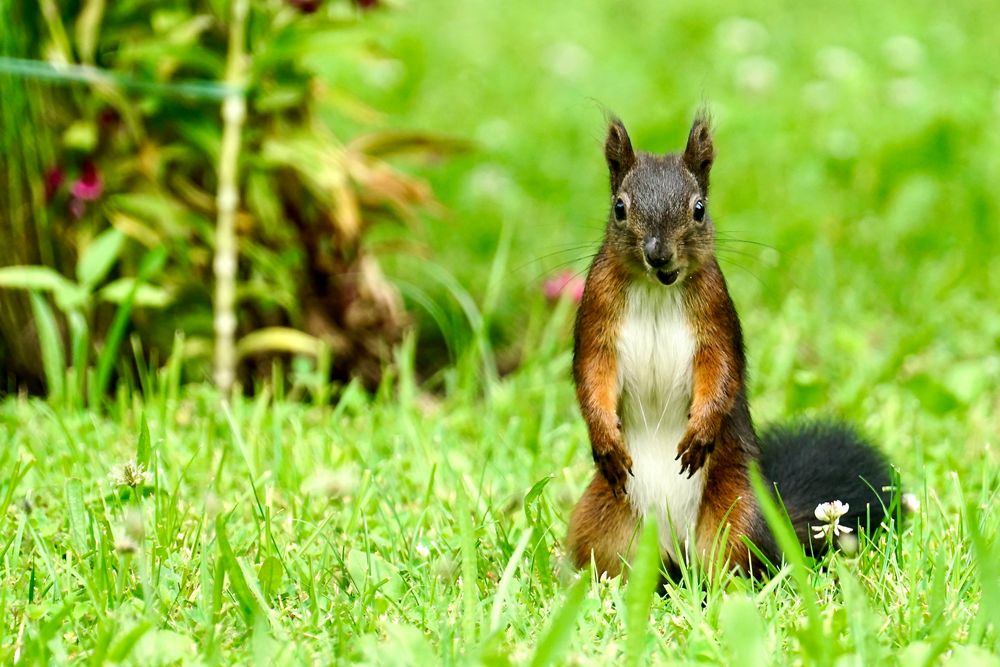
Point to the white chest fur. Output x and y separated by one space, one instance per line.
655 361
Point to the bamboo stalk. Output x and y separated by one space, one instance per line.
227 200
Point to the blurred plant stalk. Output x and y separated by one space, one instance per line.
234 111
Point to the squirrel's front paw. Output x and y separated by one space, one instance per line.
693 451
616 466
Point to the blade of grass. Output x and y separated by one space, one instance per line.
143 448
470 564
237 582
151 264
50 341
784 535
80 355
77 512
743 631
987 557
643 575
556 639
506 579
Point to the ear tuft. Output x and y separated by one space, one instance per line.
618 152
700 152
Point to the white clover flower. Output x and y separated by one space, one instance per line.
848 543
130 474
910 502
830 513
126 545
422 550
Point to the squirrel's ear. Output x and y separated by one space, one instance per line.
700 153
618 152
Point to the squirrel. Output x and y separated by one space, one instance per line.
660 374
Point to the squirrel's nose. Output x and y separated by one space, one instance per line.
657 254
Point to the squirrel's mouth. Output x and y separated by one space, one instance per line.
668 277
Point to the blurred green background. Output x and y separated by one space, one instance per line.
854 190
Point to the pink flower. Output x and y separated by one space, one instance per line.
89 186
567 284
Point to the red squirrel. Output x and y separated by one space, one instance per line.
660 376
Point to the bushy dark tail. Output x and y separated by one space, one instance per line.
818 462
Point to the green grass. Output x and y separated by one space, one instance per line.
401 528
410 527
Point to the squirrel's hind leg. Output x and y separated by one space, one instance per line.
604 526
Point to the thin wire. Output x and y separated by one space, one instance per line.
71 73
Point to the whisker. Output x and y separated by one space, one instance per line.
587 259
733 251
540 258
733 239
743 268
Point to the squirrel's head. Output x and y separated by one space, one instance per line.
659 218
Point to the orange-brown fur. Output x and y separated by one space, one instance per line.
717 426
596 371
602 521
603 526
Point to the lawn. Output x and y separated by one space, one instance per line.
856 203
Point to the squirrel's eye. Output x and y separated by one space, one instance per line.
619 210
699 210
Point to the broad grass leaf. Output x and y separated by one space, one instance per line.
98 257
237 582
77 512
812 636
143 450
146 296
34 278
642 579
123 646
88 28
555 640
50 341
270 574
151 264
404 646
470 570
279 339
369 571
987 554
164 647
743 631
